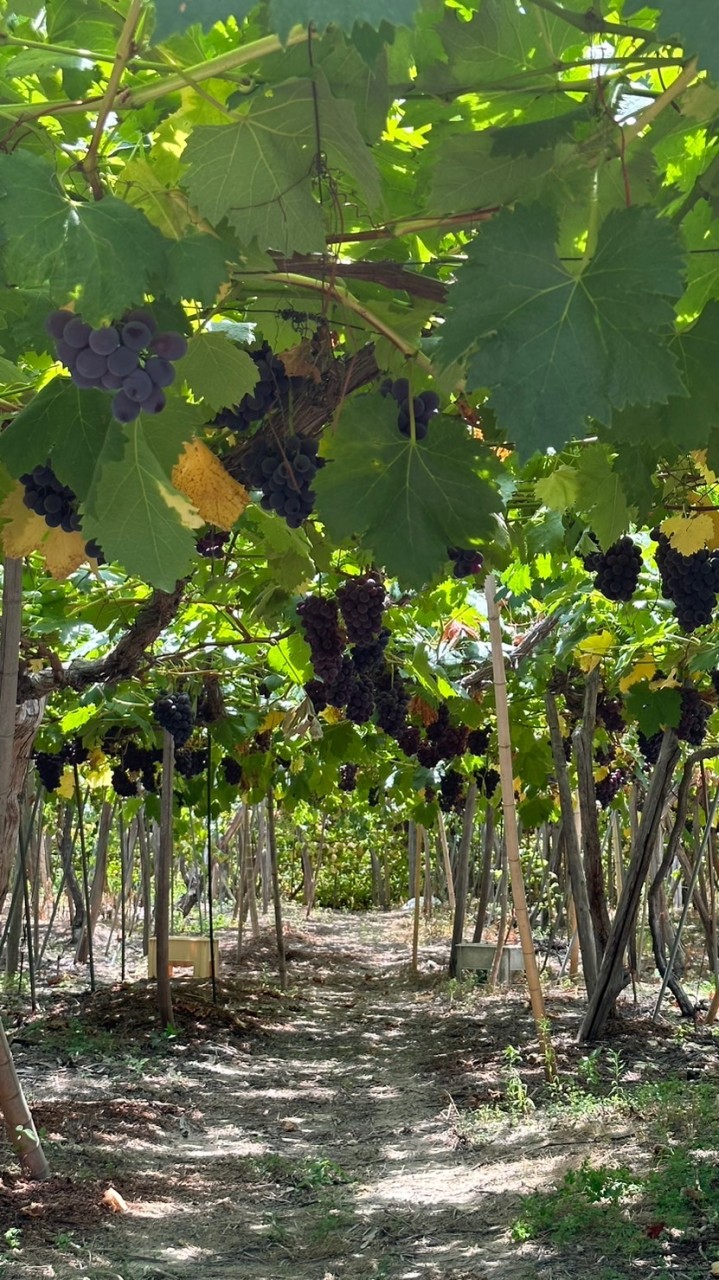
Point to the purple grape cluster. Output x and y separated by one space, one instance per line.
451 792
211 545
284 473
50 768
650 747
57 504
348 777
617 569
609 786
487 781
693 716
320 619
190 764
424 406
271 388
173 712
478 741
391 702
361 701
361 601
690 582
131 359
232 770
467 563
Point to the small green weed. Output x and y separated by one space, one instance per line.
13 1239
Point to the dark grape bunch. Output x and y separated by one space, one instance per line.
650 747
361 601
451 791
467 563
617 569
212 545
50 768
693 715
272 388
478 741
284 473
425 406
232 770
340 689
130 358
190 764
609 713
487 781
316 691
57 504
609 786
361 702
74 751
348 777
370 657
391 702
319 616
690 582
448 739
122 784
173 712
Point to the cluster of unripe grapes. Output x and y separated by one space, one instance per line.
424 406
617 569
130 359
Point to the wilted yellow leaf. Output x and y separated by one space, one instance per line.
272 721
63 552
643 669
593 648
700 457
202 478
331 715
691 533
98 771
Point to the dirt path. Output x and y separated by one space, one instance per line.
307 1137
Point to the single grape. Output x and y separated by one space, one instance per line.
81 381
111 381
155 402
135 335
57 322
430 399
122 362
104 340
142 317
123 409
161 371
76 333
66 353
171 346
90 364
137 386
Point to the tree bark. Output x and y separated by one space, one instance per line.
609 982
72 884
102 842
19 1124
585 928
656 922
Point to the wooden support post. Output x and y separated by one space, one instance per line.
447 861
511 834
415 836
162 886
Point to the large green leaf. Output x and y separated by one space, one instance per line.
258 173
136 514
557 348
196 267
405 502
602 497
104 252
70 426
177 15
218 371
653 709
468 174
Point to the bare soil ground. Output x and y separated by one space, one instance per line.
315 1135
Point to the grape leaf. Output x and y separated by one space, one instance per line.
560 489
602 496
258 173
168 431
692 23
556 348
405 502
469 175
68 425
104 252
653 709
218 371
177 15
196 266
137 516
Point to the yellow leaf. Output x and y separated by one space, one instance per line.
688 534
272 720
66 787
98 770
593 648
643 669
331 715
63 552
700 457
202 478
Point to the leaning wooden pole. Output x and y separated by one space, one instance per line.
511 834
162 885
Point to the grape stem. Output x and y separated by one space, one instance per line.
125 50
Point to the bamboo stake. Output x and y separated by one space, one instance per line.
511 834
451 896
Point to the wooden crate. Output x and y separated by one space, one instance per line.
478 956
185 950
